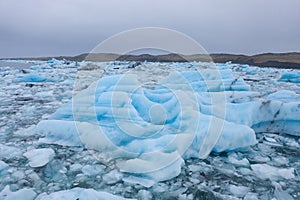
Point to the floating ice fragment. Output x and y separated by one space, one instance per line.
280 194
144 194
284 96
92 170
3 166
290 77
251 196
238 191
34 78
79 193
112 177
146 182
9 152
39 157
23 194
58 132
265 171
239 162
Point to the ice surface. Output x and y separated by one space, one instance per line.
184 115
92 170
24 194
238 191
58 132
112 177
34 78
139 180
280 193
3 166
9 152
265 171
152 132
79 193
233 158
251 196
39 157
284 96
290 77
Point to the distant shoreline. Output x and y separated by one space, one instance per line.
277 60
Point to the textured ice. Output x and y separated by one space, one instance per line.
265 171
239 191
9 152
92 170
3 166
184 115
112 177
233 158
149 131
34 78
284 96
79 193
24 194
274 114
39 157
139 180
280 193
152 127
290 77
58 132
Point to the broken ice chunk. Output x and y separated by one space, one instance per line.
238 191
24 194
79 193
265 171
39 157
3 165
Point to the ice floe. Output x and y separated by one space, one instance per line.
184 115
39 157
126 133
79 193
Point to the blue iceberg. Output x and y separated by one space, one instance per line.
34 78
149 129
290 77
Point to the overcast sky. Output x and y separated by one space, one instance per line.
71 27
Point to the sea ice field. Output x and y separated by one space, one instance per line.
148 130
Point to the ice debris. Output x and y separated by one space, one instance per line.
238 191
39 157
9 152
290 77
34 78
3 166
79 193
265 171
24 194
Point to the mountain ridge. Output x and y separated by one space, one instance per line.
277 60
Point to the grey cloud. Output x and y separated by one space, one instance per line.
69 27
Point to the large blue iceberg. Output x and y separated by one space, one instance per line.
150 128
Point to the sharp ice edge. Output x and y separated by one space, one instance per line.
39 157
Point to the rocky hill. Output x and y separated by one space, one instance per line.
278 60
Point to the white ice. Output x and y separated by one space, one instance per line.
39 157
79 193
265 171
24 194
